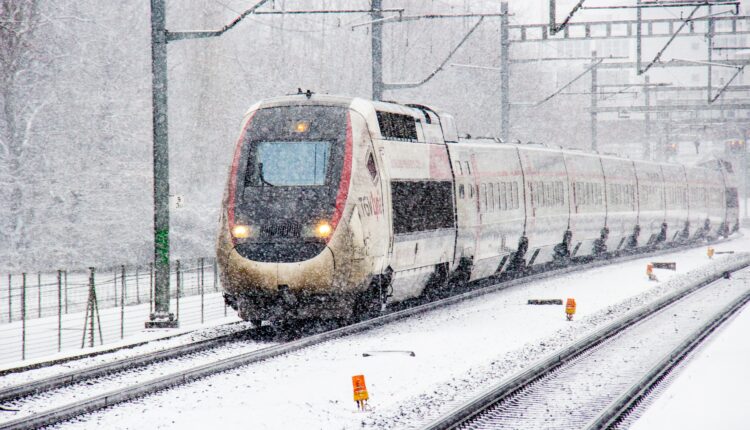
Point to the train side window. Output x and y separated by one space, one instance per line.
460 169
467 168
550 194
492 196
461 192
514 195
501 203
555 194
541 191
371 167
397 126
422 205
509 196
471 191
630 191
532 197
483 197
544 191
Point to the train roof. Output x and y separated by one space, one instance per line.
427 115
488 142
443 124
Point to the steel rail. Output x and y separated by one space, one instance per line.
56 361
79 375
76 376
507 388
625 404
124 394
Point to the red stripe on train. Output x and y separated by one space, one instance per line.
346 175
233 174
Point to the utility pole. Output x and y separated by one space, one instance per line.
504 73
593 101
161 317
647 122
376 35
710 45
746 172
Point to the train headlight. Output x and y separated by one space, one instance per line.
320 230
301 126
323 229
240 231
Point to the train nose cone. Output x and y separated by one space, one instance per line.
312 276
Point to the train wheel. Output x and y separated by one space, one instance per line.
562 250
371 302
517 265
437 285
633 240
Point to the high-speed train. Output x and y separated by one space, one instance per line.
336 206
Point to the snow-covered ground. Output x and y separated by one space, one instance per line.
710 392
42 341
457 351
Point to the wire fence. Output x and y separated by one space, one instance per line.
49 312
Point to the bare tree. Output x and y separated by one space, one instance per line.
21 75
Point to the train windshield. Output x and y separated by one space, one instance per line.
291 163
299 147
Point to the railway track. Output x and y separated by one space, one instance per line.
596 382
207 340
132 378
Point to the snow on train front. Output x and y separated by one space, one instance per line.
286 223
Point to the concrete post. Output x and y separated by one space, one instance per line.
161 317
594 102
504 73
376 36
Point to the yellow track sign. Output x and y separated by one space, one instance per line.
360 391
570 308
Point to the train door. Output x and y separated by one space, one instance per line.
422 214
467 204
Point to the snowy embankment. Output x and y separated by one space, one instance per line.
42 341
710 390
144 342
458 351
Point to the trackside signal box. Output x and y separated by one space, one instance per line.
360 391
570 308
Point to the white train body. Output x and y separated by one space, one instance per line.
417 208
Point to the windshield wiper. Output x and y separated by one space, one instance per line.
260 174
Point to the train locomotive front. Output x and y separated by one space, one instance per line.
286 223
